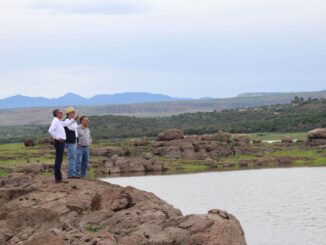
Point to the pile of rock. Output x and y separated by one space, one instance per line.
173 144
118 165
317 137
35 211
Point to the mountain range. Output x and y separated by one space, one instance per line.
71 99
164 105
20 101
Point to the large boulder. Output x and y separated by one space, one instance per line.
287 140
171 134
29 142
93 212
318 133
241 139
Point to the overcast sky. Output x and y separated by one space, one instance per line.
184 48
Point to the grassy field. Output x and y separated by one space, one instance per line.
13 156
278 136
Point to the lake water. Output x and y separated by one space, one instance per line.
274 206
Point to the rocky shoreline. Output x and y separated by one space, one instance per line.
211 151
174 152
35 211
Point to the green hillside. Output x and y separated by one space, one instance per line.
301 115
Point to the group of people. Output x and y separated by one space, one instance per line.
67 133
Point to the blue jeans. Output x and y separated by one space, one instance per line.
72 159
82 161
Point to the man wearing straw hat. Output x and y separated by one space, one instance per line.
58 134
71 142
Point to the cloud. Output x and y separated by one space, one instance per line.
187 48
107 7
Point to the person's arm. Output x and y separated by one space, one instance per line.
67 122
52 128
73 127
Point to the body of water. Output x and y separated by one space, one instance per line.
274 206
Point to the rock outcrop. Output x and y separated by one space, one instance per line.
317 137
117 165
202 147
171 134
34 210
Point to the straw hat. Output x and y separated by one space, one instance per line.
69 109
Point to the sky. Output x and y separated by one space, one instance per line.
183 48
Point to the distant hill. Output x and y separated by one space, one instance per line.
42 115
20 101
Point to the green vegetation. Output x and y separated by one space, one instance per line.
16 155
93 229
305 156
300 116
3 173
91 174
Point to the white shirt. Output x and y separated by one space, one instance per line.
57 130
72 125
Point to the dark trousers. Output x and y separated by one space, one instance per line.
59 151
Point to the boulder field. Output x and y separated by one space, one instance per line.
200 147
35 211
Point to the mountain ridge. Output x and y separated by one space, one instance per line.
42 115
126 98
21 101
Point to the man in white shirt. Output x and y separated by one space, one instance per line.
58 133
71 141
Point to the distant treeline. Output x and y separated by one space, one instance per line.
300 115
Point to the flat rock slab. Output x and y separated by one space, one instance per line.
35 210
